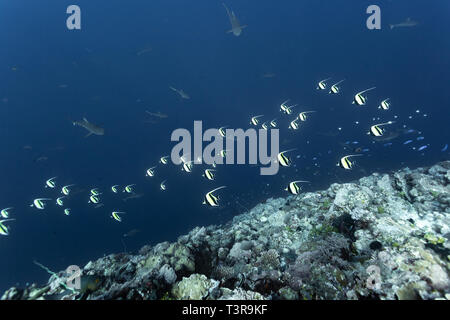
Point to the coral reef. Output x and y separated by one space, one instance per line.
385 236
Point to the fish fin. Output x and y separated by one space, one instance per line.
90 133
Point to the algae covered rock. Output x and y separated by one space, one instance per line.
194 287
240 294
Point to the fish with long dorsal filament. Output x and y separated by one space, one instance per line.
288 110
335 88
129 188
4 230
188 166
5 212
182 94
345 163
39 203
222 131
265 126
223 153
150 172
407 23
294 188
294 124
94 198
273 123
254 120
322 85
385 104
66 189
302 116
50 183
211 199
208 174
164 159
360 99
236 27
283 159
60 201
283 105
116 215
95 191
92 128
376 131
390 135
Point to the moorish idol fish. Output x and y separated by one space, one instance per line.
211 199
293 187
283 159
50 183
209 174
385 104
359 99
302 115
376 131
322 85
335 87
345 163
39 203
254 120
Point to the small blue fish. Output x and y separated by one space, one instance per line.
355 142
444 148
387 144
410 131
420 138
407 141
365 150
422 148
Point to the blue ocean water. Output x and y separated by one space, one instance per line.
122 62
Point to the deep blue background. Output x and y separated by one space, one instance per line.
104 79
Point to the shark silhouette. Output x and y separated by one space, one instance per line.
92 128
407 23
236 27
181 93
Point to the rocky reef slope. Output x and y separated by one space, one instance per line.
382 237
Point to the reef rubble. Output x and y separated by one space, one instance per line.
385 236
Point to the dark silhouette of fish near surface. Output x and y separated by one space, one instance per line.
92 128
